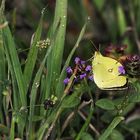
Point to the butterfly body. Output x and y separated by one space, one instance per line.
105 72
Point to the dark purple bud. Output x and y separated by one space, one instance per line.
121 70
83 75
88 68
69 70
75 79
90 77
133 58
66 81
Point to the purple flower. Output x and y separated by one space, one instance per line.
121 70
88 68
82 62
69 70
77 60
66 81
75 79
83 75
90 77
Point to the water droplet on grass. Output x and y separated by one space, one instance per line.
88 18
36 84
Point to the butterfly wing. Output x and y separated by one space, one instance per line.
105 71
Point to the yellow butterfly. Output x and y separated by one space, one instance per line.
106 72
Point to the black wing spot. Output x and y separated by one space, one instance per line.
110 70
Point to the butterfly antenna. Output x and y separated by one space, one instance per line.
94 45
99 47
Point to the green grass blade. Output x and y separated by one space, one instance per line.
2 59
32 55
36 82
55 59
122 24
12 129
10 46
110 128
34 92
121 20
16 102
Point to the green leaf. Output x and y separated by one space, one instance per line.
116 135
86 136
134 124
32 55
11 51
121 19
54 60
135 97
111 127
105 104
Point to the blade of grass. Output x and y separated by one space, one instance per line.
32 55
10 46
122 24
34 93
35 86
2 59
110 128
16 102
12 130
55 58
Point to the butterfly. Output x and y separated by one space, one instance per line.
106 72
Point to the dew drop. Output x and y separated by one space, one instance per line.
120 111
36 84
43 10
88 18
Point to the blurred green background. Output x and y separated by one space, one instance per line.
111 22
